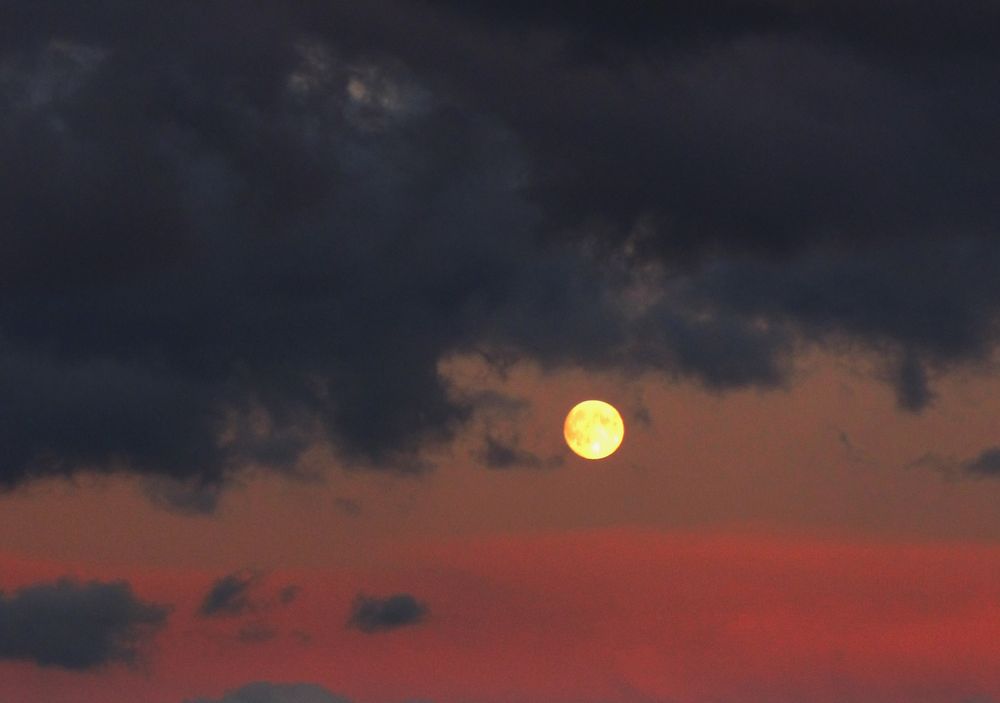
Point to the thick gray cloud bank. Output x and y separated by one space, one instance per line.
271 222
76 625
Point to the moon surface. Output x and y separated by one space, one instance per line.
594 429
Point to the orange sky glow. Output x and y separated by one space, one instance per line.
805 543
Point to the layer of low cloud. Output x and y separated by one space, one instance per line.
77 625
250 236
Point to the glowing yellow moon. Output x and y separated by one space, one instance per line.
594 429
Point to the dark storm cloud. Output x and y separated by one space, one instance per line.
819 170
886 25
372 615
76 625
269 224
314 268
263 692
306 238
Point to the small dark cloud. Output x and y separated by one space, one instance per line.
185 497
264 692
288 594
230 596
371 615
75 625
642 416
986 464
239 594
257 632
501 455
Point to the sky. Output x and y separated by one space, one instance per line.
295 296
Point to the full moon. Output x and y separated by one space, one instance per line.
594 429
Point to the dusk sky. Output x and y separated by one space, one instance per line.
295 296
